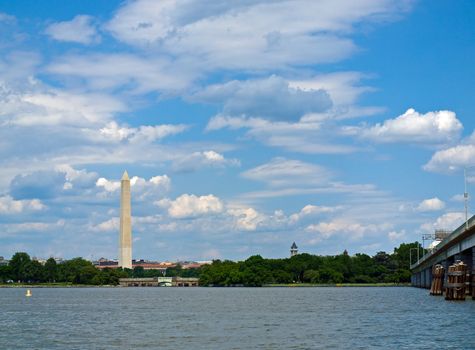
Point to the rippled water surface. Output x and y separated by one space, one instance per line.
233 318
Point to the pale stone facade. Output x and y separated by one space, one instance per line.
125 235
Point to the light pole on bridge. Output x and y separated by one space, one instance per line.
465 193
410 254
465 196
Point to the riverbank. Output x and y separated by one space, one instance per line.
55 285
339 285
288 285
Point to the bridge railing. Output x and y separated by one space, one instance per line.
461 229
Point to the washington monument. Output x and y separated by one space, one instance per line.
125 235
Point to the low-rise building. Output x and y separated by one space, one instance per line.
159 282
3 261
103 263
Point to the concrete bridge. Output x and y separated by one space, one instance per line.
459 245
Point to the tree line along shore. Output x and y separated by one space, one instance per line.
302 269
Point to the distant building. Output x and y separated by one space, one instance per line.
40 260
59 260
3 262
159 282
185 265
103 263
294 250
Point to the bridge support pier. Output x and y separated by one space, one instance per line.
445 264
459 245
428 279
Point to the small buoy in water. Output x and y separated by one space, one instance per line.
28 293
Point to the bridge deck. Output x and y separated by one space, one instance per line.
459 245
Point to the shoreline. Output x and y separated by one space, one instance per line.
342 285
54 286
289 285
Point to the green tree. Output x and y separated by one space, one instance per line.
87 274
74 271
35 271
328 275
174 271
50 270
109 276
5 273
139 272
19 265
402 254
311 276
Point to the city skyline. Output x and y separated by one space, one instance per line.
244 126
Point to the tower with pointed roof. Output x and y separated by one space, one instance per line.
125 234
294 250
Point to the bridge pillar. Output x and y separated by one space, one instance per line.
445 264
466 257
428 279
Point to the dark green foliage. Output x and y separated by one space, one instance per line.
138 272
255 271
403 252
76 271
5 273
306 268
50 270
20 264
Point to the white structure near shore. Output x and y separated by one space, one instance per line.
125 234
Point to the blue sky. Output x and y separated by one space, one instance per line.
244 125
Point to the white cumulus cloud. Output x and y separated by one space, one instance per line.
356 230
202 159
147 133
270 98
248 34
108 225
246 219
431 204
80 29
451 159
395 236
448 221
187 206
311 210
282 172
8 205
413 127
55 107
141 188
108 185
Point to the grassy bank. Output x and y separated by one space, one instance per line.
51 285
289 285
339 285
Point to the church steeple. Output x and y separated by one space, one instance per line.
294 250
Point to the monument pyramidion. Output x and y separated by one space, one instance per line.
125 234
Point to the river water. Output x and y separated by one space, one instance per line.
233 318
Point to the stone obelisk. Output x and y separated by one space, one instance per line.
125 238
